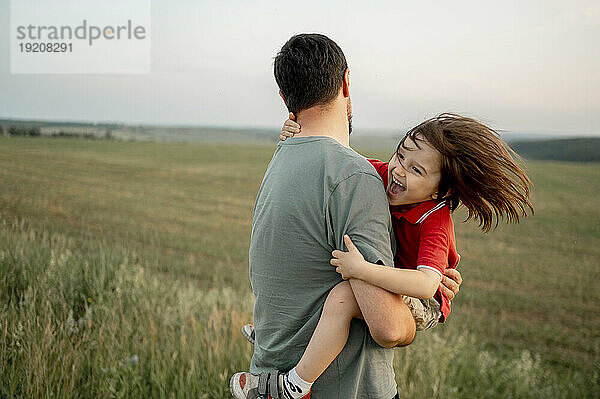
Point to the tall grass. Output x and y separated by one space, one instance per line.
85 319
93 324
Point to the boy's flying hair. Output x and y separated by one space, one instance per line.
478 169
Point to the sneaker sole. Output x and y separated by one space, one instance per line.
247 335
234 388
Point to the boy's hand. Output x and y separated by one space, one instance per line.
289 128
349 264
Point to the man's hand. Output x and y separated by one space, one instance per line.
289 128
349 264
451 283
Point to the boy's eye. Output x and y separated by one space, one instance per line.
400 155
417 170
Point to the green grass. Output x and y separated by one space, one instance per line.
123 273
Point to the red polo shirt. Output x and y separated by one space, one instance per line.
424 237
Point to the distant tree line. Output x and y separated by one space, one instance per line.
34 131
573 150
74 135
21 131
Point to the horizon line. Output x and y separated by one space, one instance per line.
381 131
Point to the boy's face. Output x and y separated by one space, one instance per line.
413 174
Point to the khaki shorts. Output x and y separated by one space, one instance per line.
426 312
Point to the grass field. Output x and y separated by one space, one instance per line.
123 273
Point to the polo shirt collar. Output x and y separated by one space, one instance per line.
419 213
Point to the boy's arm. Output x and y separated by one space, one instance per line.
421 283
416 283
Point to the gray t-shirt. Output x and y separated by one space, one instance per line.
314 191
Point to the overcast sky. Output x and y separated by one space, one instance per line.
522 66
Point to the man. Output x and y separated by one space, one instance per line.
315 190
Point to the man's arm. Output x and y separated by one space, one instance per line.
390 321
451 282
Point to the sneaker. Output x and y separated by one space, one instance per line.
248 333
263 386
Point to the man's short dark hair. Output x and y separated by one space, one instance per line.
309 71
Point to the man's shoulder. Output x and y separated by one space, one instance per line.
350 163
340 162
381 168
361 163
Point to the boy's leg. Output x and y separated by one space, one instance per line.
331 334
326 343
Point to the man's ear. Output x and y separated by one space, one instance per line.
346 84
282 97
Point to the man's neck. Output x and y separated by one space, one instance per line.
330 122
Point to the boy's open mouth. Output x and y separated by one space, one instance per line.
395 187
